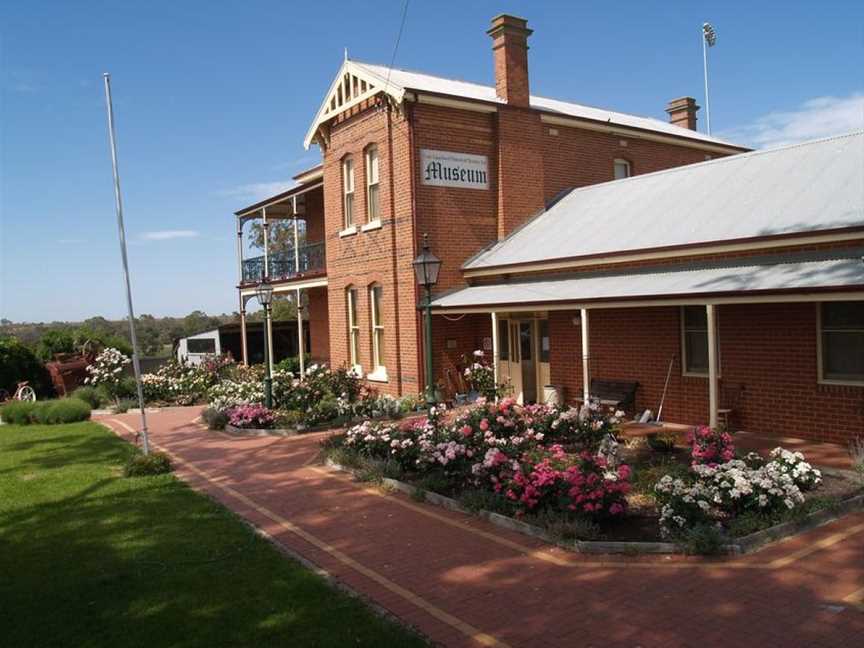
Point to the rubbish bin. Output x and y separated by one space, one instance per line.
551 394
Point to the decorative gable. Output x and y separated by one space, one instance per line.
352 85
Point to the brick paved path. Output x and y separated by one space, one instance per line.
464 582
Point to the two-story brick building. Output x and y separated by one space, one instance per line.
503 184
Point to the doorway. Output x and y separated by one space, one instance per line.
523 356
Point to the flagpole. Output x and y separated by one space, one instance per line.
118 205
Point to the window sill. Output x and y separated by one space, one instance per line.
373 225
834 382
379 375
348 231
357 370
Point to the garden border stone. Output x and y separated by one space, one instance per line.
238 431
743 545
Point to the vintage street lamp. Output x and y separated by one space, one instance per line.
264 291
426 267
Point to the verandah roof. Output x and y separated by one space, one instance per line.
800 275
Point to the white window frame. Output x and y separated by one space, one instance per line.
353 328
373 185
822 380
683 328
348 193
621 162
376 327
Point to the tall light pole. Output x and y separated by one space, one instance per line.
121 229
709 39
264 292
426 267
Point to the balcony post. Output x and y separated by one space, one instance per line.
240 250
244 350
586 357
266 226
301 350
296 237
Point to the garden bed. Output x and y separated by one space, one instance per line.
636 534
560 473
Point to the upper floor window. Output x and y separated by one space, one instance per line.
373 210
353 326
376 298
842 342
347 192
622 169
694 340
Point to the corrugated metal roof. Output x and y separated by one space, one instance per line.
713 280
802 188
439 85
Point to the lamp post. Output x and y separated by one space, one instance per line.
426 267
264 291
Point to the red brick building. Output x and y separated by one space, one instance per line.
503 182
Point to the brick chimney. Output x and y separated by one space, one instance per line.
510 47
682 112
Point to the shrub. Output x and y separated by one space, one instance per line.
290 365
18 412
106 371
722 492
214 419
550 479
89 395
290 418
805 476
64 410
480 376
141 465
18 362
251 417
710 447
124 406
703 539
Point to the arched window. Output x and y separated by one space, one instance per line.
347 192
353 326
373 209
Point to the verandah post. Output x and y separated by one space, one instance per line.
712 365
300 346
586 356
496 354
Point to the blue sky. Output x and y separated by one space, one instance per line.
213 99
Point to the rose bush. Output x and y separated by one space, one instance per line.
251 416
716 493
710 447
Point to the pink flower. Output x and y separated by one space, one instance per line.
467 431
484 424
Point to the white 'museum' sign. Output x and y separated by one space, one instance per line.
448 169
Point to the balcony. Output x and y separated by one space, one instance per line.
283 265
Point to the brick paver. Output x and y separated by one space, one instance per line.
464 582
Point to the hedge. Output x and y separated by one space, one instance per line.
51 412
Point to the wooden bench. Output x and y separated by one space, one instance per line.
617 393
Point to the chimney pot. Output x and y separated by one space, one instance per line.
510 47
682 112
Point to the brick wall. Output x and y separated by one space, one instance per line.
377 257
318 322
770 349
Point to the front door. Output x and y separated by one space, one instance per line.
528 362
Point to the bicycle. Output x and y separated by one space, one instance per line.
23 392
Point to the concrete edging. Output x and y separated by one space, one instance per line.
742 545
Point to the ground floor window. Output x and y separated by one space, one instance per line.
842 342
694 341
376 300
353 327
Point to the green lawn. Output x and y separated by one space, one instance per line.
89 558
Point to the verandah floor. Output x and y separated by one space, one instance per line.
464 582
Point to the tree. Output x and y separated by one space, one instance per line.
281 235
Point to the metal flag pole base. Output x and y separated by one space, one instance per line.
118 205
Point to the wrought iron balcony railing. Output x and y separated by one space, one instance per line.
283 264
